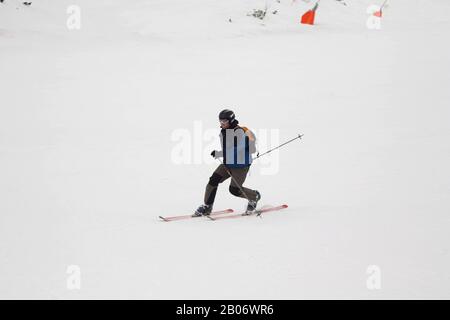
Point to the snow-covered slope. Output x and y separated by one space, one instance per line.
87 121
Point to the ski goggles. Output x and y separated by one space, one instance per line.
223 121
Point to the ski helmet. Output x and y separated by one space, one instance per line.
227 114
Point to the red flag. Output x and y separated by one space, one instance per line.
308 17
378 14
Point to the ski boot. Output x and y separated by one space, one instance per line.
251 206
203 210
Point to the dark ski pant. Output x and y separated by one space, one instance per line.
220 175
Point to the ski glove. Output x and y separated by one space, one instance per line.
216 154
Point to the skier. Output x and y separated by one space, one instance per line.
238 143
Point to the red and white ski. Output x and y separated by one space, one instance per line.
257 212
189 216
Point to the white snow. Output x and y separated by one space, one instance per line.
87 116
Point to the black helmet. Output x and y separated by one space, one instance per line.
227 115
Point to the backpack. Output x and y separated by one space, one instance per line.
251 139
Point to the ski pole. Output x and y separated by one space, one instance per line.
260 155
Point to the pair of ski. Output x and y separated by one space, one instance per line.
225 214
